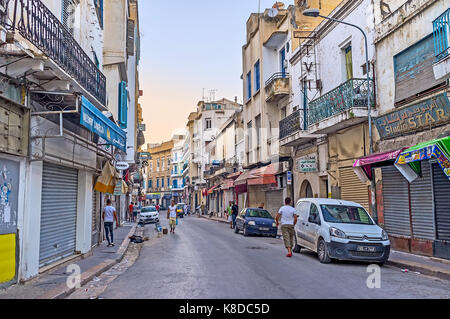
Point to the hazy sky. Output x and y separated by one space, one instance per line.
187 46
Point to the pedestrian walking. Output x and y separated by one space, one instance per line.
234 213
172 216
108 216
288 216
130 212
157 208
230 213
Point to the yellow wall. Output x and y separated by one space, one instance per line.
7 257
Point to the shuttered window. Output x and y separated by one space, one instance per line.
396 202
99 10
123 105
130 37
352 189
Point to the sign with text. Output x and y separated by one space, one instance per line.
307 164
427 114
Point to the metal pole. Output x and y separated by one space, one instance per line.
369 108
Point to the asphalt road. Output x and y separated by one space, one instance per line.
206 259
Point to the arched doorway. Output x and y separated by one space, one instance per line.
306 190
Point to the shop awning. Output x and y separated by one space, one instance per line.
244 177
153 196
408 162
96 122
227 184
234 175
212 189
265 175
363 166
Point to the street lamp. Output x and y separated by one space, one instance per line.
316 13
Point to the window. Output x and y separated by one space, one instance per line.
175 183
257 77
162 182
345 214
99 9
283 112
123 105
151 166
314 214
249 136
348 62
162 163
208 123
68 15
150 184
168 181
249 85
157 183
258 130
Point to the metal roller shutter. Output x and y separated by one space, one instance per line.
274 200
441 186
95 219
422 204
352 189
58 213
396 202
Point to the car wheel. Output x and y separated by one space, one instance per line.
236 230
297 247
322 252
245 231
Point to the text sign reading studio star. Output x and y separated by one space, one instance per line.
427 114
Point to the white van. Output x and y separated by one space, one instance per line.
337 229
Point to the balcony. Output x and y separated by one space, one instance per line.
441 31
342 107
294 130
37 24
277 87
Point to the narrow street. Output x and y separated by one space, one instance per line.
206 259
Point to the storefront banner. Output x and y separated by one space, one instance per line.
424 115
96 122
426 153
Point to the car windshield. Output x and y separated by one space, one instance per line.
148 209
262 213
180 206
345 214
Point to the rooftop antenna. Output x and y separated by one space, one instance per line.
212 94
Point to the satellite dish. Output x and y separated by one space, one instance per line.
273 12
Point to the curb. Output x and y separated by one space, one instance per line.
430 270
63 291
215 220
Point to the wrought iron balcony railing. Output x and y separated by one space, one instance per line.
293 123
441 31
36 23
352 93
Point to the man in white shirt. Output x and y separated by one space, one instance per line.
109 215
288 217
172 215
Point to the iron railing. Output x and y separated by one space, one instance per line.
278 75
293 123
36 23
441 32
352 93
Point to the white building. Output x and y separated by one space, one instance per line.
177 163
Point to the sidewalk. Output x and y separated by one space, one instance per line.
52 284
425 265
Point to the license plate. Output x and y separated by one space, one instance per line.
366 248
263 228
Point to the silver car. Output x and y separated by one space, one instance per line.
149 214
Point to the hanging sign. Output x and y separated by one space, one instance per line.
122 166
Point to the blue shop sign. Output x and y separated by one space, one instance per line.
96 122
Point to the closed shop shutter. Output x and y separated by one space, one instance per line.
441 186
422 204
274 200
396 202
352 189
58 213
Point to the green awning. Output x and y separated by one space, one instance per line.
438 149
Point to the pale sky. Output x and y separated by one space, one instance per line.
187 46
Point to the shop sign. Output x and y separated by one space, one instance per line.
430 113
122 166
307 164
426 153
289 177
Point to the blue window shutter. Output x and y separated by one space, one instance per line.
249 85
123 105
257 77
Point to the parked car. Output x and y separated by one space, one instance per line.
180 210
256 221
337 229
149 214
